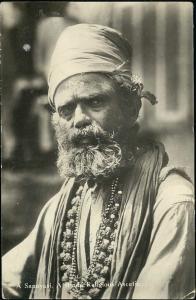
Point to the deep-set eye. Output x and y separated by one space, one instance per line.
67 109
96 102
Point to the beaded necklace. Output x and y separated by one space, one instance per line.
89 286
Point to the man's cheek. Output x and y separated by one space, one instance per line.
112 121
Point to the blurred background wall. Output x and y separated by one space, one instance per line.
162 41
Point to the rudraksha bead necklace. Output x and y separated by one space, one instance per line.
90 284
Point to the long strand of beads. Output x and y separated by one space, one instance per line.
73 277
98 271
68 243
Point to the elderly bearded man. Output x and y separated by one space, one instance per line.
121 225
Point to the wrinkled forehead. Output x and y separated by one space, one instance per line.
84 86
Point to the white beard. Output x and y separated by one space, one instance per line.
99 159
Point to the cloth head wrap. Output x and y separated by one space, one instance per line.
85 48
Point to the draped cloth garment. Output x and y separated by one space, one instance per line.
132 244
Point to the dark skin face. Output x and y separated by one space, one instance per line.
81 99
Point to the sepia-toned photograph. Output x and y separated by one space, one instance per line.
97 150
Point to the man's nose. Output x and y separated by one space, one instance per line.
80 117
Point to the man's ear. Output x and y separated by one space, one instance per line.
55 118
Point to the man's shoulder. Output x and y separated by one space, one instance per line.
65 186
51 206
175 187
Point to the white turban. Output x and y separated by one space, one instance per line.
87 48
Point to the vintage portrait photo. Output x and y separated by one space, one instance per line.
97 150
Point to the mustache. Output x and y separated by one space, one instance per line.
90 135
93 133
